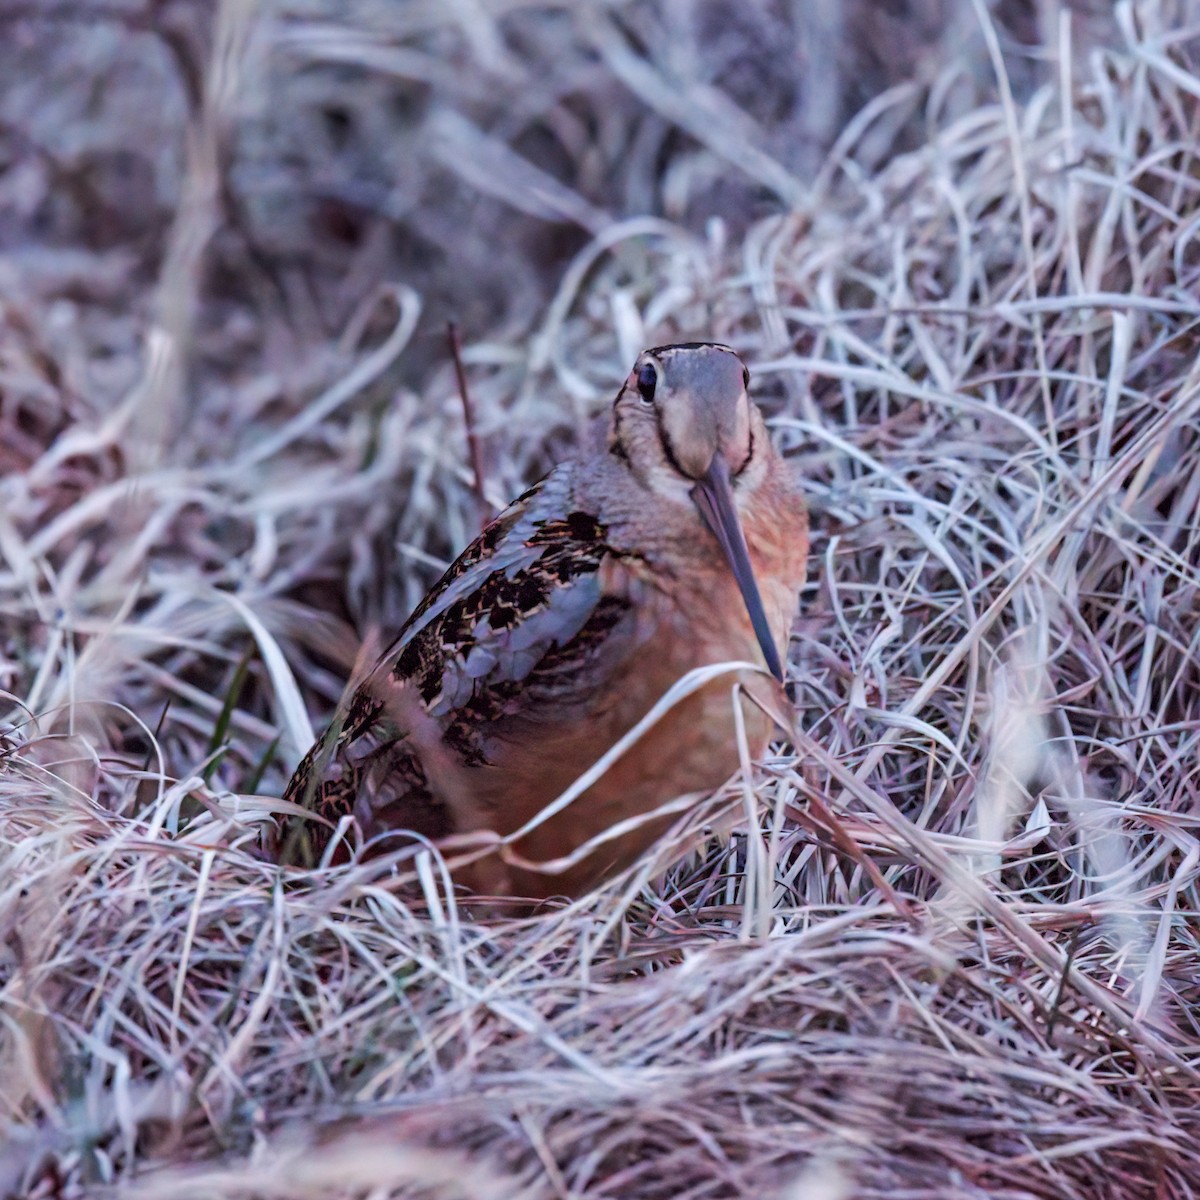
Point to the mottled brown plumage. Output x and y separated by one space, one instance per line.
679 540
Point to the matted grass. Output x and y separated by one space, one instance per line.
952 949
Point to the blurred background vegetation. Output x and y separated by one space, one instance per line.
467 148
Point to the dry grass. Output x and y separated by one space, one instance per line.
953 948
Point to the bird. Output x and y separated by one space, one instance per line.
676 538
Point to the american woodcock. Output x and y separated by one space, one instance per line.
678 541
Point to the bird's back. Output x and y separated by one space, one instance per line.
513 643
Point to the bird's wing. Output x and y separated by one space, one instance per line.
513 631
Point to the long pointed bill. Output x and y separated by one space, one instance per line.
713 496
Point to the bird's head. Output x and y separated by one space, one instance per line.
686 428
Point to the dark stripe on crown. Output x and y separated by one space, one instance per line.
691 346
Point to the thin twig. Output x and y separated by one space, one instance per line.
474 451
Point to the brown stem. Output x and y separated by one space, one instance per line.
473 449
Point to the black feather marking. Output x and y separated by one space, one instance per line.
481 548
571 655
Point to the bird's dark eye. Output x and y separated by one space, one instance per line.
647 378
